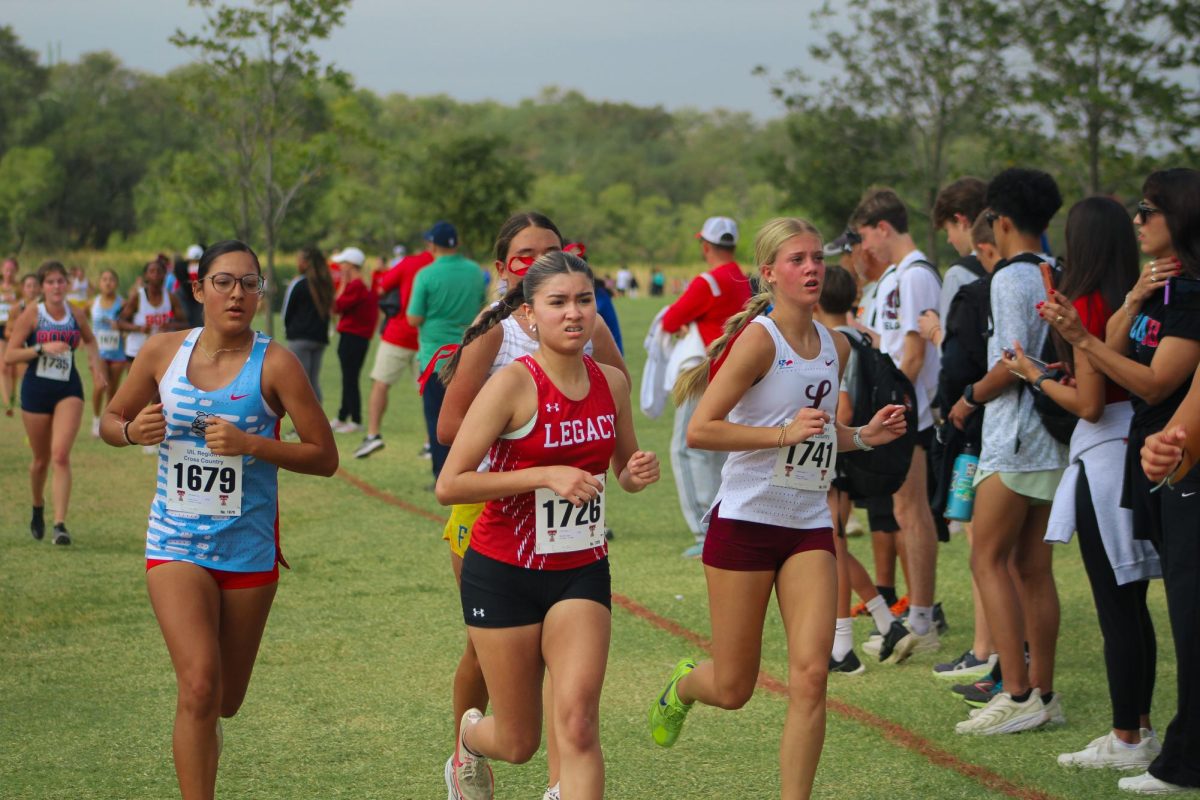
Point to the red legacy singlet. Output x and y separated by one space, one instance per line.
573 433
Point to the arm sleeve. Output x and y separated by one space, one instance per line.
694 301
919 291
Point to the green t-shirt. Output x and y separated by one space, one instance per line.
448 294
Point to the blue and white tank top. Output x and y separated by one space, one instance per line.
220 512
59 368
764 485
104 326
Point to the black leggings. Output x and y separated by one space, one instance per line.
352 352
1130 649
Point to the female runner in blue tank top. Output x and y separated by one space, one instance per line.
51 391
771 405
211 399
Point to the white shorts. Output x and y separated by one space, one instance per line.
391 361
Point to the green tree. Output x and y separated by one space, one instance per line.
471 181
30 180
1110 73
265 106
22 79
924 70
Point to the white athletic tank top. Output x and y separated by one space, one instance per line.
156 317
517 343
792 383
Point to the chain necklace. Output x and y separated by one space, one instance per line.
212 356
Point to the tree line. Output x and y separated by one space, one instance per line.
281 150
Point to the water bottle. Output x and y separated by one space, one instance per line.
961 502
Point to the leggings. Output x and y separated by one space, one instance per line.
352 352
1130 649
310 354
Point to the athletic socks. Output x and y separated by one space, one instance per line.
889 596
843 638
1047 697
1023 697
920 618
878 608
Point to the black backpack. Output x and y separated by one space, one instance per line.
389 303
879 472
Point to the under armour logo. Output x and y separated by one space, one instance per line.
551 407
477 612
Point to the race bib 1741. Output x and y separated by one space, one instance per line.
808 465
200 482
563 528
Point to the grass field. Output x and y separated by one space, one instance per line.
351 695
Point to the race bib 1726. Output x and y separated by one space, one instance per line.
563 528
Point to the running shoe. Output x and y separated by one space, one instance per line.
1054 710
95 427
900 607
369 445
910 644
468 776
695 551
1148 784
37 523
888 641
874 642
854 527
850 665
552 793
966 666
668 712
980 694
426 451
859 610
1109 752
1005 715
60 534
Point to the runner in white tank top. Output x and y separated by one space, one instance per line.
140 318
772 407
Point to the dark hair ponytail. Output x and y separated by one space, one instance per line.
224 248
320 281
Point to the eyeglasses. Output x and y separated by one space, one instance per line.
1145 211
524 262
223 282
990 217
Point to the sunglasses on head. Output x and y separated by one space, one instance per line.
1146 211
575 249
519 265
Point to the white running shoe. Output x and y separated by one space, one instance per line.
1054 711
551 793
915 643
468 776
1004 715
1109 752
1148 784
873 643
95 427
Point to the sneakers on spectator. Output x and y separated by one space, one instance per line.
981 694
1148 784
966 666
910 644
873 643
695 551
939 619
369 445
1054 710
850 665
1109 752
859 610
1003 714
900 607
984 684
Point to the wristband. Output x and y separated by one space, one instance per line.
858 440
968 396
1037 385
125 432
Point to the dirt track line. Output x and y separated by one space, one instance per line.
892 731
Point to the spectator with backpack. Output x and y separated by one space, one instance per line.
1020 465
910 286
398 344
957 207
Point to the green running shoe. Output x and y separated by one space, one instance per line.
667 713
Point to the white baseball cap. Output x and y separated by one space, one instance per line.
351 255
721 231
195 252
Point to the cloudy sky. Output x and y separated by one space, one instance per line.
675 53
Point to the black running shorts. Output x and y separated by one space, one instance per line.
499 595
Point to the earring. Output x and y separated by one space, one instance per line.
533 328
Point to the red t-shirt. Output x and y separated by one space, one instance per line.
398 331
1094 314
359 309
709 300
574 433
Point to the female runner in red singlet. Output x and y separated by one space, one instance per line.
536 591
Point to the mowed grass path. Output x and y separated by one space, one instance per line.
351 694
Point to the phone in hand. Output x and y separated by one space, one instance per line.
1047 278
1042 366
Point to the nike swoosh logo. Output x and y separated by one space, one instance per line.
1188 494
237 396
829 363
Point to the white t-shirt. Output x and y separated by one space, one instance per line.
905 291
624 280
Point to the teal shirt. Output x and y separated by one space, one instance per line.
448 294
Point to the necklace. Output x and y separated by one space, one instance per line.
212 356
